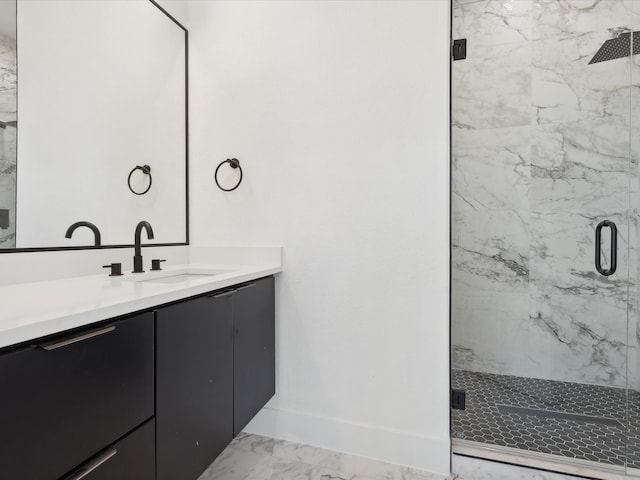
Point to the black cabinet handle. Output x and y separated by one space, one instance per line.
68 341
614 248
223 294
93 464
246 286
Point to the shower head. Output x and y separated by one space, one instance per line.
617 48
13 124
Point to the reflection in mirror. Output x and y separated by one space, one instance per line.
102 89
8 123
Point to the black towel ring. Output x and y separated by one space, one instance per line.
146 169
233 163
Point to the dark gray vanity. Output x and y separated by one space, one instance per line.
156 394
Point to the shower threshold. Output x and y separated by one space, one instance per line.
542 461
560 426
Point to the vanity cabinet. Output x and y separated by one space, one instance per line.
215 366
154 395
131 458
253 350
194 389
65 399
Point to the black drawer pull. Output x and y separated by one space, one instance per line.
246 286
63 343
93 464
224 294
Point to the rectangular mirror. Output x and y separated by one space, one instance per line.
101 127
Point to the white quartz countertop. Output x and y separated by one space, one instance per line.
36 309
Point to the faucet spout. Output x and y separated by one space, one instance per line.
137 256
94 229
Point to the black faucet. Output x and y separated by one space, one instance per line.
94 229
137 256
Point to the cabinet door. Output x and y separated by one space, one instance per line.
254 350
132 458
65 399
194 385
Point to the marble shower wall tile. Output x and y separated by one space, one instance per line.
528 192
8 79
8 139
582 313
488 338
8 201
563 18
8 152
566 88
633 312
492 22
8 105
633 271
491 169
564 338
634 237
633 372
492 87
490 251
562 255
586 334
580 166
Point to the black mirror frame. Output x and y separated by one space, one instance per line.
186 162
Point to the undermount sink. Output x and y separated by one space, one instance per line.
180 277
175 276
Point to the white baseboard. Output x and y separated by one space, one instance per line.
393 446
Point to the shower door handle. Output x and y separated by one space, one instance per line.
614 247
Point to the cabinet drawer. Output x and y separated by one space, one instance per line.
65 399
132 458
254 345
194 389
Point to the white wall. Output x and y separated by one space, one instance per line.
177 9
338 112
26 267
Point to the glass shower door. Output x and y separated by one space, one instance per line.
633 325
541 157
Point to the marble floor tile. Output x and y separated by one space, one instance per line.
252 457
232 464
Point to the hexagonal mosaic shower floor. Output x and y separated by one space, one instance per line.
586 422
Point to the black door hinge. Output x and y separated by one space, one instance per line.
458 399
459 49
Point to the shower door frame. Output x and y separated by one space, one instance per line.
517 456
